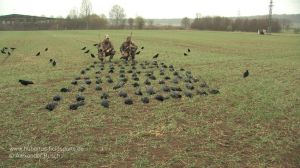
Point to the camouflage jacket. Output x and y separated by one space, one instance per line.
105 45
126 46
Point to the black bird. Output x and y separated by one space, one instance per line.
185 54
98 87
51 106
128 101
88 82
8 53
38 54
12 48
81 89
80 98
246 74
95 45
155 56
119 85
166 88
92 55
64 90
161 82
50 60
54 63
214 91
87 51
189 50
135 84
175 94
159 98
105 103
142 47
74 106
189 86
137 53
138 92
74 82
145 100
57 98
147 82
150 91
104 96
83 48
188 94
123 94
25 82
202 93
3 52
46 49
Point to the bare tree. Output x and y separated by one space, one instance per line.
117 15
73 14
86 10
130 22
185 23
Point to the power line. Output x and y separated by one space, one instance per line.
270 17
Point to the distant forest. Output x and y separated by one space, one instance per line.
85 20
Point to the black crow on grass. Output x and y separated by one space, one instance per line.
25 82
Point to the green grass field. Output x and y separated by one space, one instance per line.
254 122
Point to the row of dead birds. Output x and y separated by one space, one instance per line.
174 92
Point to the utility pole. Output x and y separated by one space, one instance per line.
270 17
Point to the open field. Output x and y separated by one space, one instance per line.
254 122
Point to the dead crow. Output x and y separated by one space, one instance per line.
104 96
80 98
145 100
51 106
64 90
105 103
246 74
155 56
150 90
138 92
123 94
214 91
74 82
54 63
159 98
38 54
98 87
74 106
128 101
25 82
57 98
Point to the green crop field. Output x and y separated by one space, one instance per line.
253 122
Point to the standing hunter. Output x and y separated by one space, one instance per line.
105 49
128 49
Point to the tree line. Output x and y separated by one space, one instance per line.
85 19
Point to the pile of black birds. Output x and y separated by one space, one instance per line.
7 50
131 83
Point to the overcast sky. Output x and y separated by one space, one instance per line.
153 8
